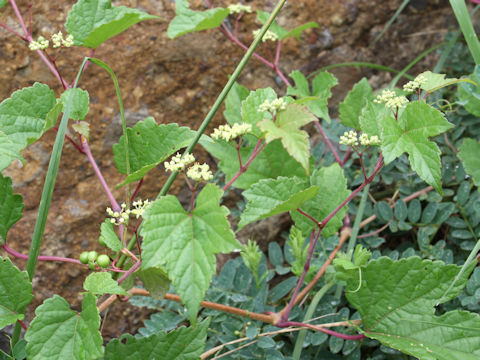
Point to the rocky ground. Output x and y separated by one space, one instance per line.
177 81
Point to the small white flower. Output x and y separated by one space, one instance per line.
199 172
349 138
272 106
269 35
415 84
389 98
68 41
40 44
227 133
238 8
177 163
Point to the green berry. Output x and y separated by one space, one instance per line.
91 265
103 261
101 242
92 256
83 257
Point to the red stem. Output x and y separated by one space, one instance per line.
130 272
72 142
321 329
329 143
13 31
309 216
347 155
25 327
136 190
40 258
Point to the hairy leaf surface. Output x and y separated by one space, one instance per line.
397 302
410 134
109 237
100 283
275 196
15 293
79 107
58 332
186 243
180 344
351 108
91 22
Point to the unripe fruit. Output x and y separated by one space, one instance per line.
91 265
83 257
101 242
103 261
92 256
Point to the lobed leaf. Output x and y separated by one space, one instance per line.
333 190
437 81
251 114
271 162
11 207
109 237
15 293
372 118
187 20
58 332
91 22
79 107
410 134
397 302
155 280
100 283
186 243
468 153
269 197
180 344
149 144
351 108
287 129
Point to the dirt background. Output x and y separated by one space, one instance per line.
177 81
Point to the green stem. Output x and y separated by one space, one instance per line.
46 199
297 351
224 93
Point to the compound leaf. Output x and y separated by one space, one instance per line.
271 162
109 237
321 85
15 293
333 190
100 283
79 107
22 116
186 243
351 108
58 332
149 144
187 20
269 197
410 134
397 302
11 207
468 153
287 128
180 344
91 22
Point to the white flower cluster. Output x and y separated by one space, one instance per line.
269 35
389 98
122 217
351 138
415 84
40 44
238 8
177 163
58 40
272 106
227 133
199 172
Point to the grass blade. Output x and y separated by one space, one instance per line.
463 17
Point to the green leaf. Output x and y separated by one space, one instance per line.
469 94
15 293
100 283
186 243
321 85
22 116
2 3
251 114
333 190
155 280
149 144
187 20
437 81
180 344
11 207
233 103
57 332
83 128
19 351
397 302
263 16
271 162
468 153
52 116
269 197
79 107
8 151
299 29
351 108
91 22
410 134
287 128
372 118
109 237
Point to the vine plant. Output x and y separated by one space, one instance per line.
262 150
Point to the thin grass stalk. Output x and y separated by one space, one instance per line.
460 10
